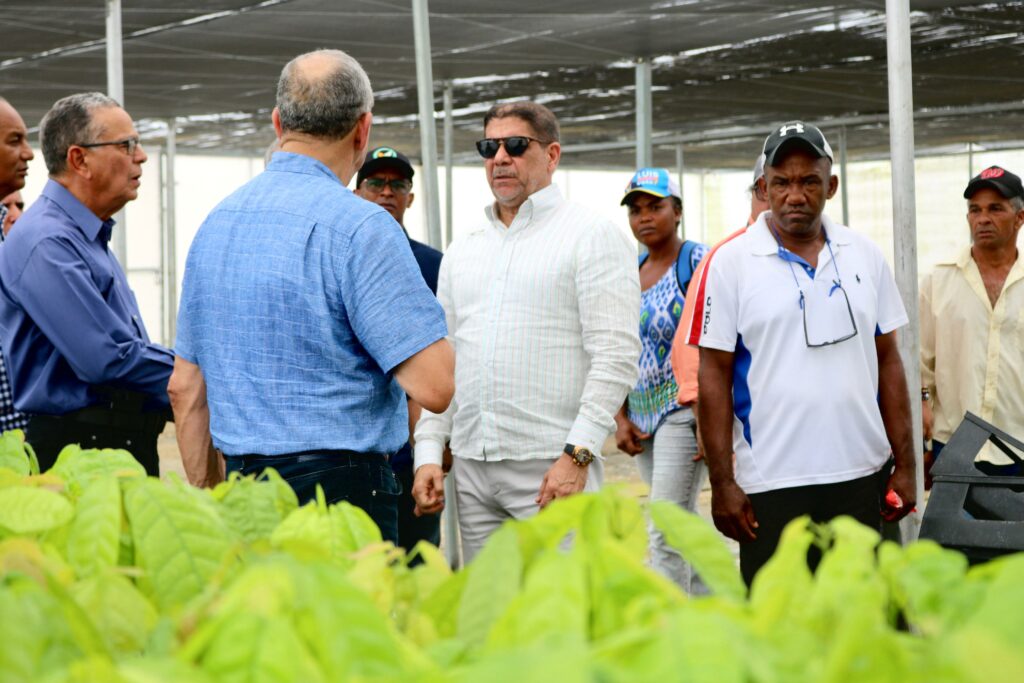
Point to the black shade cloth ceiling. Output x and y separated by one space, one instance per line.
718 65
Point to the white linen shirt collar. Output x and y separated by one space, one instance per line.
537 208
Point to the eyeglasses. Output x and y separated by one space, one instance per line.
829 325
376 185
129 144
515 145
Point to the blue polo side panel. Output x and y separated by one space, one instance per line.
741 388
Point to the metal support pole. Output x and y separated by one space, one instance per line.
115 89
449 132
680 168
970 161
428 154
644 116
428 132
844 179
901 143
170 245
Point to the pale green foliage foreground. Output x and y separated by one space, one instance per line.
111 576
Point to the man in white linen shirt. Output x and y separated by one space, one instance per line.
543 302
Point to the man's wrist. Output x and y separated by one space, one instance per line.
427 452
581 456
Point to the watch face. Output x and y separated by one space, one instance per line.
583 456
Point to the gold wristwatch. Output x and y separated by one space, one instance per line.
581 455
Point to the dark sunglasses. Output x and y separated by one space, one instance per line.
515 145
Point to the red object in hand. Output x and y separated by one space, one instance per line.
893 502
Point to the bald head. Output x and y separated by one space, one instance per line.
15 151
323 94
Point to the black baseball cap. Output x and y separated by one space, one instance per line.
795 132
384 157
999 179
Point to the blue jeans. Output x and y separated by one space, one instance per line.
362 479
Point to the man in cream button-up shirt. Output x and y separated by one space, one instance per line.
542 301
972 322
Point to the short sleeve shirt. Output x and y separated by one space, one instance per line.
299 300
802 415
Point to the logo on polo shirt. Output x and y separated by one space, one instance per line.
707 314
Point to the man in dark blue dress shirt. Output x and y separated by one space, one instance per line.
386 180
79 357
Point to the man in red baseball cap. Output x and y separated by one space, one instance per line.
972 323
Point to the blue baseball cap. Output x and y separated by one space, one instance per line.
653 181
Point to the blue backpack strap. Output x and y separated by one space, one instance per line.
684 269
641 258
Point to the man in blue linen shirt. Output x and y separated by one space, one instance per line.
303 315
79 357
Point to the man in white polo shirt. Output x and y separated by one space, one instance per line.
800 375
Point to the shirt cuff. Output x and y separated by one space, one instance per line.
587 434
427 453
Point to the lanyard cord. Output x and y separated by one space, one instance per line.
836 284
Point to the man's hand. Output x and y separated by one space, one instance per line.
628 436
732 512
428 490
562 479
904 482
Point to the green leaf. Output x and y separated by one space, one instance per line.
94 539
77 467
553 607
701 545
179 542
15 456
122 614
492 583
254 507
330 532
32 510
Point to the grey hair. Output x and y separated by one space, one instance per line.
541 119
1017 203
69 122
324 105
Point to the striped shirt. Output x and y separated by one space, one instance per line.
543 316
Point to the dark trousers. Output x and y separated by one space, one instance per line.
413 529
98 428
859 498
362 479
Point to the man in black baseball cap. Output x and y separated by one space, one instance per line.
799 294
386 180
970 304
999 179
795 133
